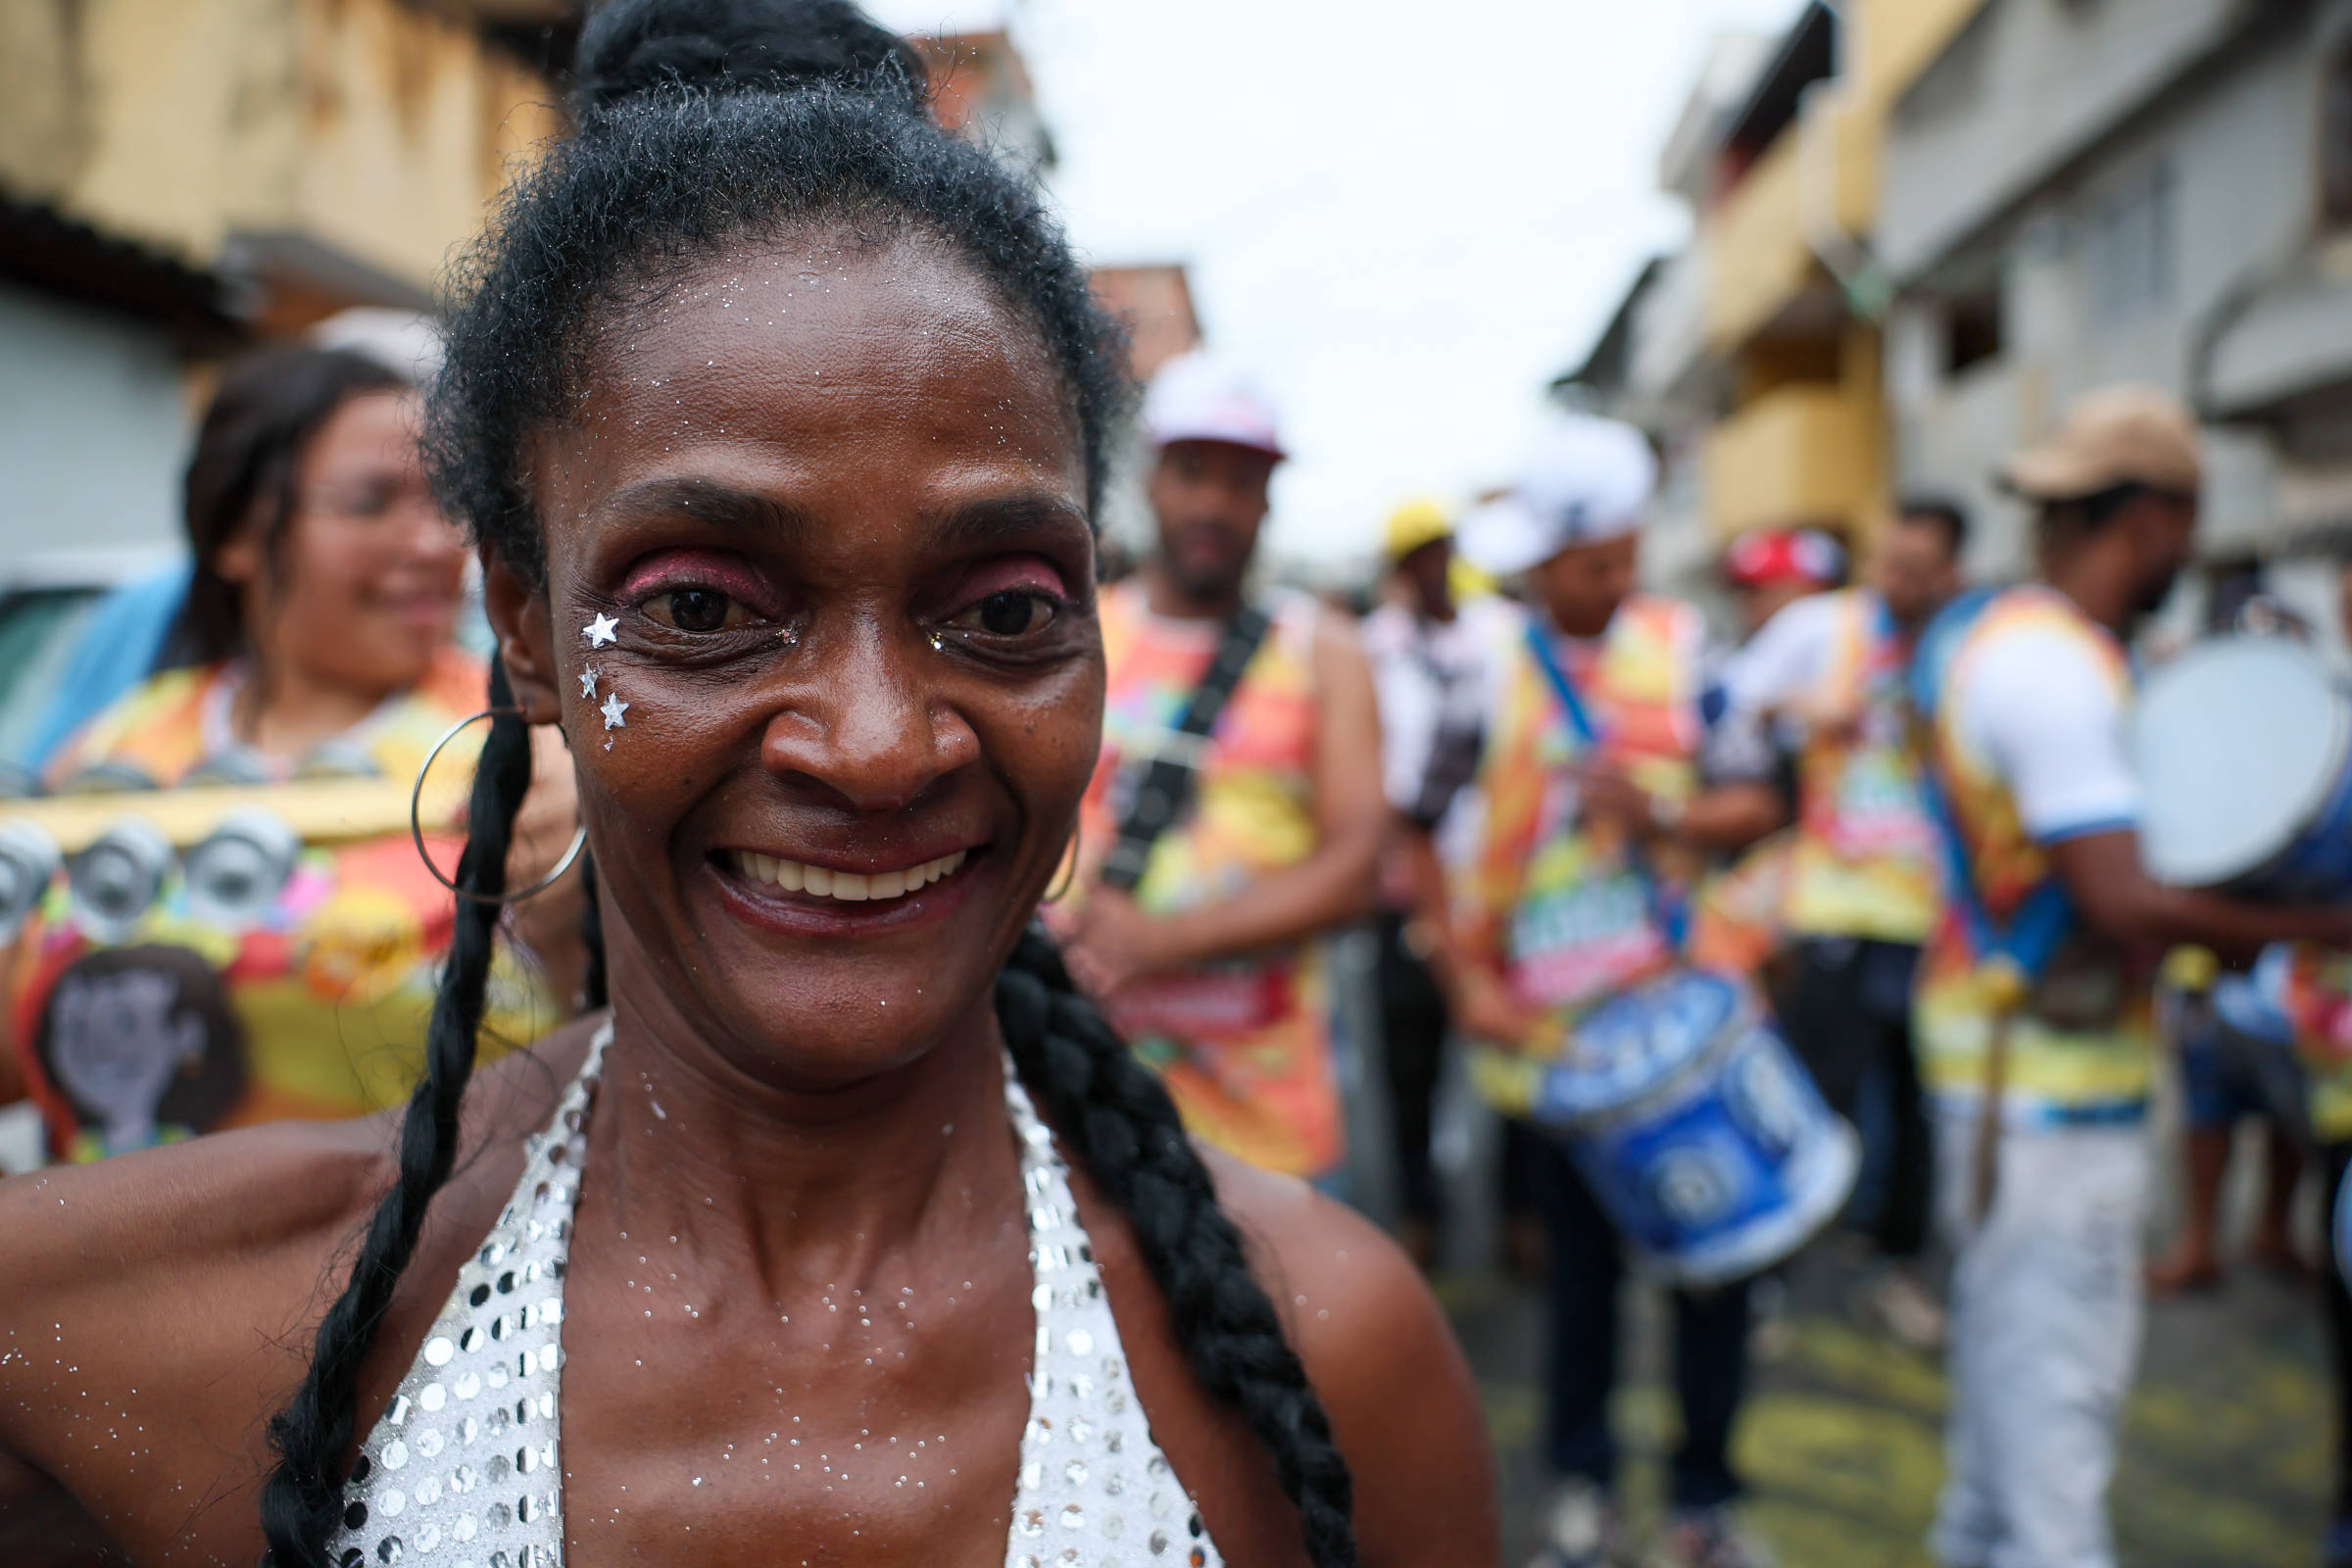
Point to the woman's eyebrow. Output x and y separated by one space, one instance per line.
727 509
1001 520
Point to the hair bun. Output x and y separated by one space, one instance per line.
630 48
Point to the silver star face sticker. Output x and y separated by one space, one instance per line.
613 709
588 679
601 630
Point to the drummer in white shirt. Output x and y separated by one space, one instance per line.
2041 1089
1826 677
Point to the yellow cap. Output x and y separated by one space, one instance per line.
1419 521
1465 581
2192 968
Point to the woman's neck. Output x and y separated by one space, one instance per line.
284 711
794 1184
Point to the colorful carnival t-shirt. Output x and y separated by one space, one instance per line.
1244 1044
2029 748
1863 861
1569 911
315 1007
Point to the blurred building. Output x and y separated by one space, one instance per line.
980 86
1154 303
1795 294
1650 364
177 177
2077 193
1755 356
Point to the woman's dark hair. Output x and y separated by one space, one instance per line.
701 123
269 405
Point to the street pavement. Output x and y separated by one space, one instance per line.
2225 1457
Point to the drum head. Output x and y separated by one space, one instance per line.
2239 742
1632 1042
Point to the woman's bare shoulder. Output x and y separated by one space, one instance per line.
1385 1363
229 1201
172 1294
105 1225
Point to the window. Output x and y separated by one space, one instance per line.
1972 329
2335 140
2128 252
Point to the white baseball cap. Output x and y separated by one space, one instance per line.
1584 480
1197 397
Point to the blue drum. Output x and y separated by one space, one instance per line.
1701 1135
2340 1233
2245 750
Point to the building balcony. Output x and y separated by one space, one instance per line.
1812 194
337 141
1757 260
1803 455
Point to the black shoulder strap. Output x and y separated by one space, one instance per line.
1162 793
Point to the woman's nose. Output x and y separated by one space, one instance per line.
874 727
431 534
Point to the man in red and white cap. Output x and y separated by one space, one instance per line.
1211 857
1772 569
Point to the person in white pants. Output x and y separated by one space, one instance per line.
2047 1290
2032 1012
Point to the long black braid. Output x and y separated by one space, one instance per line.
704 123
303 1500
1123 1128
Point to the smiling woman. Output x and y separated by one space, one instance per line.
851 1232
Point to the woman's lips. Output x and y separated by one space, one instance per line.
847 887
756 889
419 609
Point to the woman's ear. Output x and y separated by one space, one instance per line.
519 617
238 560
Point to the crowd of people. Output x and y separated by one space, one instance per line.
1922 863
901 832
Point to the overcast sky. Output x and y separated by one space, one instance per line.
1406 217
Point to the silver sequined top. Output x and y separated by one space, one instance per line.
464 1470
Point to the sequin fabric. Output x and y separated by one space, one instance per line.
1094 1490
462 1471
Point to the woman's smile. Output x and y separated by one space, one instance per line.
825 898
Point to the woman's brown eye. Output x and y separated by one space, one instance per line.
1012 613
697 610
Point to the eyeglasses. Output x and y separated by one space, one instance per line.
374 502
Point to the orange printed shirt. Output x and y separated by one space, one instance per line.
178 720
1863 861
333 987
1242 1044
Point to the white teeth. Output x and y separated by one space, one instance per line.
849 886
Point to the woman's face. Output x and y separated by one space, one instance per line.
368 577
818 623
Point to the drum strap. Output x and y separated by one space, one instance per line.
2042 920
1168 782
1668 907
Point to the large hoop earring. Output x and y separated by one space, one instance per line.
1069 877
579 836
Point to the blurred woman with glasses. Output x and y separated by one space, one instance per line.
318 641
